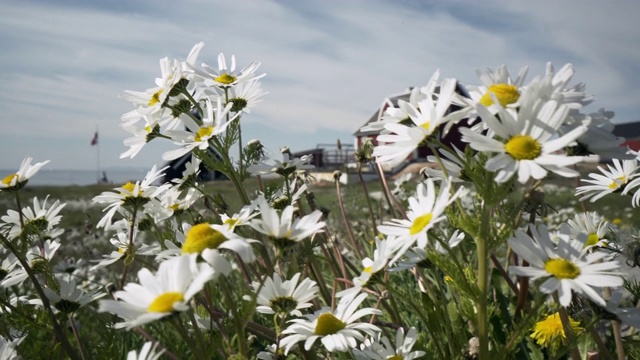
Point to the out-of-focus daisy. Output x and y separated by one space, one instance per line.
609 181
380 348
70 298
592 224
566 268
284 297
400 114
549 332
337 330
125 243
168 291
38 221
131 197
425 210
226 76
453 166
629 316
425 120
149 351
21 177
373 269
38 259
285 230
525 145
242 218
284 168
198 135
8 348
175 201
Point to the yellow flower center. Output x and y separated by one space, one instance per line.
505 93
174 207
203 132
155 98
562 268
426 126
368 269
420 223
164 303
592 239
523 147
328 324
231 222
550 333
225 79
8 179
616 221
129 186
395 357
201 237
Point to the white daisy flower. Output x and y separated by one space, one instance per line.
380 348
226 76
244 96
425 210
496 83
337 330
152 101
198 238
38 259
126 245
168 291
285 230
372 268
525 143
149 351
609 181
8 348
198 135
284 168
69 298
174 201
131 197
566 268
426 120
37 221
25 172
592 224
452 164
284 297
242 217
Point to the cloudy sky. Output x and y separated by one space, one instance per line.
329 64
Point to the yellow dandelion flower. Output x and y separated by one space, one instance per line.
550 333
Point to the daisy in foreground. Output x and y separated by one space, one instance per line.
337 330
284 297
168 291
149 351
566 268
550 333
525 142
425 210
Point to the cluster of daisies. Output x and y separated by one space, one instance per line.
187 255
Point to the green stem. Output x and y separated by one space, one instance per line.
76 334
566 325
237 321
483 277
366 196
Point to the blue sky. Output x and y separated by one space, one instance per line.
329 64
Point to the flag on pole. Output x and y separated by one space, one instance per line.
94 141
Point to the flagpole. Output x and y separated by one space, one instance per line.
97 155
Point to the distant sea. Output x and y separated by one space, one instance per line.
47 177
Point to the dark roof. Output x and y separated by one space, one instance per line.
629 130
